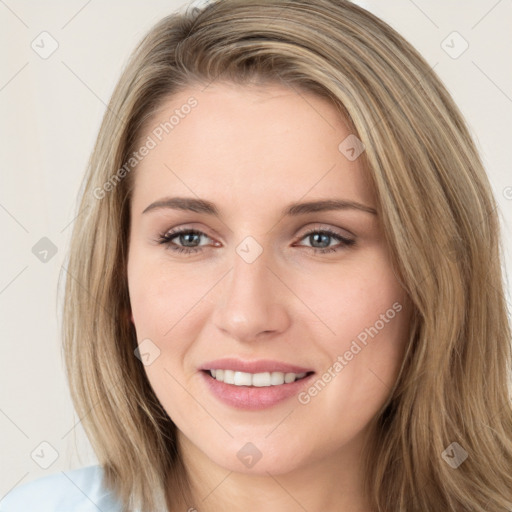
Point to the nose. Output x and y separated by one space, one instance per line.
253 301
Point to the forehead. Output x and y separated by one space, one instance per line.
248 144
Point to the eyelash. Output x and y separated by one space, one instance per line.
165 239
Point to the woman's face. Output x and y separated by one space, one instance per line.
285 293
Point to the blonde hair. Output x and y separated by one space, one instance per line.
437 211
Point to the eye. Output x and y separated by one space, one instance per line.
189 240
320 240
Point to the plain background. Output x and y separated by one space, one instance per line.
51 111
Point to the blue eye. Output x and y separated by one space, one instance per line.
188 238
319 236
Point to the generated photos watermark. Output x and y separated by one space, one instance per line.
157 135
343 360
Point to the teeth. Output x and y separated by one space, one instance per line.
242 379
255 379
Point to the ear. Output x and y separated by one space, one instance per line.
131 318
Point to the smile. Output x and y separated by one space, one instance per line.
253 385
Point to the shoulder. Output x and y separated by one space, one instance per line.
80 490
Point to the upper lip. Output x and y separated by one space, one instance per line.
258 366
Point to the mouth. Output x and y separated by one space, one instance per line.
253 385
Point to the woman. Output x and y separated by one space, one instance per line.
285 291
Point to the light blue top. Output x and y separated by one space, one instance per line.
80 490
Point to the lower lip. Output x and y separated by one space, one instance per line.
251 397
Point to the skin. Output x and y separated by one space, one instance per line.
252 150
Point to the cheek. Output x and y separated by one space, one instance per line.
352 299
364 331
161 304
160 298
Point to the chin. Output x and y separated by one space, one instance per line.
259 457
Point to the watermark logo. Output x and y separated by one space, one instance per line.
249 249
249 455
454 45
454 455
44 455
147 352
44 250
351 147
45 45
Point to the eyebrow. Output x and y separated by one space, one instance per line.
294 209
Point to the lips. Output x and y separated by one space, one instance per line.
261 393
259 366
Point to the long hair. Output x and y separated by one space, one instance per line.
439 218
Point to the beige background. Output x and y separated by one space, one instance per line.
51 110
